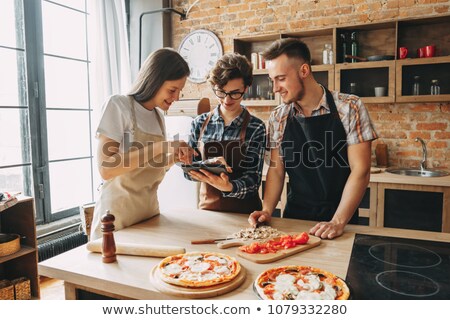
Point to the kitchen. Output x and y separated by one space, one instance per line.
398 116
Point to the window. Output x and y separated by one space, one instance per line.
45 113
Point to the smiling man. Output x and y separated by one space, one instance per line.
321 139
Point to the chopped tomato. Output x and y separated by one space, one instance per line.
273 245
302 238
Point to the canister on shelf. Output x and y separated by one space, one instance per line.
435 89
254 60
381 154
261 61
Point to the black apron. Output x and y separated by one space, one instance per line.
314 151
234 152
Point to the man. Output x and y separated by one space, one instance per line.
322 140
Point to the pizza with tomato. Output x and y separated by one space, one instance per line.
198 269
273 245
300 283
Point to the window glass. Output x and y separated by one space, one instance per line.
66 83
76 4
70 184
10 29
14 137
64 31
68 134
12 80
16 179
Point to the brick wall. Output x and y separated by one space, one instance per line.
396 124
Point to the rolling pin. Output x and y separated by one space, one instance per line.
137 249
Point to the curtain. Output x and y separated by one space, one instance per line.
112 73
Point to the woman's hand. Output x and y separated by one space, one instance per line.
182 151
221 182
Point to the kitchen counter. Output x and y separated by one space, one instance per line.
386 177
129 277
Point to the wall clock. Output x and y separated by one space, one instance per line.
201 49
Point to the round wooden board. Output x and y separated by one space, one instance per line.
196 293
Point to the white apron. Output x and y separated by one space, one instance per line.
132 197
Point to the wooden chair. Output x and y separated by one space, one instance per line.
203 106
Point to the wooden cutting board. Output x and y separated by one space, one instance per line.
271 257
195 293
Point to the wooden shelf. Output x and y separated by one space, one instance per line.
23 251
428 69
20 219
382 74
373 39
260 103
324 74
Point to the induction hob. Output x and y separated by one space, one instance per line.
395 268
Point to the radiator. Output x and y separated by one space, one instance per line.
59 243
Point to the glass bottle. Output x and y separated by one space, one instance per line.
343 47
353 88
330 56
354 46
327 55
435 89
416 86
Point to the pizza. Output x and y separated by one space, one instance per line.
300 283
198 269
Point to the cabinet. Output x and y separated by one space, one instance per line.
418 207
20 219
376 64
415 34
260 93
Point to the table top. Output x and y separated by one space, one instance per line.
130 275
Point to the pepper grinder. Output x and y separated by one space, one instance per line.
108 245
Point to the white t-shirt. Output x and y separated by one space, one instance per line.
116 121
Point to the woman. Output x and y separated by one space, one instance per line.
132 151
232 135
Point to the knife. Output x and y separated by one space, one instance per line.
208 241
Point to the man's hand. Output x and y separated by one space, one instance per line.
258 217
221 182
327 230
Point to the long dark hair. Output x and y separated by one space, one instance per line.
160 66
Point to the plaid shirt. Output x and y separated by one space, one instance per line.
353 114
255 139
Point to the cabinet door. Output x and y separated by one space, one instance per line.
411 207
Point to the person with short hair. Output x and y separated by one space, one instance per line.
321 139
132 152
232 136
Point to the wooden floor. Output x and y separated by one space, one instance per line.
51 289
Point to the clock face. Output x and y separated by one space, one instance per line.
201 49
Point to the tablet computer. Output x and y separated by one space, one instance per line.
211 167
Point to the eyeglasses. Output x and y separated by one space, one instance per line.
235 95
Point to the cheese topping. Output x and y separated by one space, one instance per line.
222 270
200 266
172 269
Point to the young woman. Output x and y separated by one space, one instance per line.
230 133
133 152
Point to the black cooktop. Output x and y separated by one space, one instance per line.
394 268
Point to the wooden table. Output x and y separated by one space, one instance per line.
129 277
